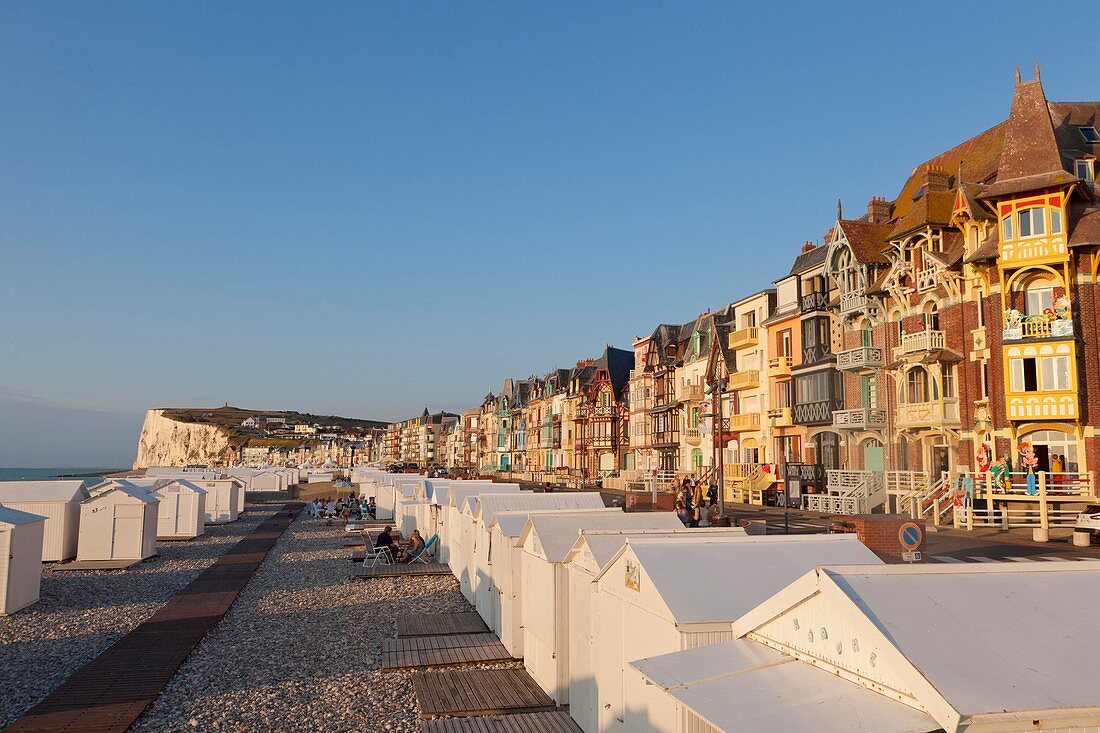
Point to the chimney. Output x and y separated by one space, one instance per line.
878 210
936 180
807 246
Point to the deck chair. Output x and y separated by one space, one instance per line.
422 556
375 555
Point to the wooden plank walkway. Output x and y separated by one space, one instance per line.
410 568
442 651
555 722
470 692
109 693
440 624
96 565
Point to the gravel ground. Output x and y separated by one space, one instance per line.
81 613
300 649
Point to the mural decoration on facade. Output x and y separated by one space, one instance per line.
1029 461
1055 322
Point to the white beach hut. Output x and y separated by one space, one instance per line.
58 502
269 480
21 542
454 522
500 598
593 549
481 510
119 523
659 596
181 514
224 500
546 541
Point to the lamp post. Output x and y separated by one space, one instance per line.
716 389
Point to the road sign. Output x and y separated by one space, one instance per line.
910 535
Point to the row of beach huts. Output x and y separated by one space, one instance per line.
115 523
640 625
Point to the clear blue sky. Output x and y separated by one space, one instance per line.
366 208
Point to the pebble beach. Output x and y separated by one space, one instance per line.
298 651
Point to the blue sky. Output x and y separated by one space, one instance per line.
363 208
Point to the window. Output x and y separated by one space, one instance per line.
784 343
695 417
1031 222
1055 221
948 380
1083 169
1090 134
1047 373
916 386
1006 228
1038 298
866 336
981 309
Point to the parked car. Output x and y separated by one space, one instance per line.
1089 521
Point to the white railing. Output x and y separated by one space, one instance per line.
970 517
852 302
833 504
860 419
864 357
865 490
927 340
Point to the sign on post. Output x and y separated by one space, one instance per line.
910 535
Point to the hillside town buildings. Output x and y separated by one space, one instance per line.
942 342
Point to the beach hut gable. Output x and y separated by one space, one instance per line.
920 631
58 502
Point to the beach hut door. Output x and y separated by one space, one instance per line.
127 537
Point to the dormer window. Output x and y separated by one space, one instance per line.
1090 134
1084 169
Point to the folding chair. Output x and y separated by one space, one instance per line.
422 556
374 555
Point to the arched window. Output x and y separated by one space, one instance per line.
1038 296
932 317
917 386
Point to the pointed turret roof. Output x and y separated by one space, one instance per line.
1029 156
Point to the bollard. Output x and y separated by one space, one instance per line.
1081 539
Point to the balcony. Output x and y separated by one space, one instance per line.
920 342
926 414
819 412
853 302
1047 405
748 379
744 338
780 417
861 359
1038 327
780 367
861 419
745 423
693 436
811 302
691 392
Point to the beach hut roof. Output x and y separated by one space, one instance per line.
933 625
67 490
711 579
490 504
14 517
126 488
743 685
557 533
512 523
461 490
604 544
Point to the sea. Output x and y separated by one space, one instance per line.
89 476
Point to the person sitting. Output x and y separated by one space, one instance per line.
385 540
372 509
414 548
682 513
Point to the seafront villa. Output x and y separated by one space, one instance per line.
930 354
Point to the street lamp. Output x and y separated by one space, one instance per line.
716 389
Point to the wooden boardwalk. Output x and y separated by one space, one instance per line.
555 722
394 571
440 624
109 693
442 651
471 692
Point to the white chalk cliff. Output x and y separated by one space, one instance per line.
167 442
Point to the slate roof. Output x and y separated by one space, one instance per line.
806 260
